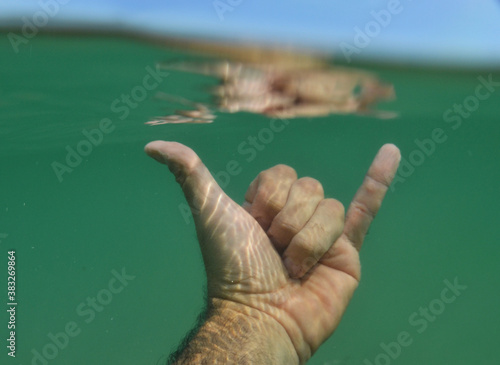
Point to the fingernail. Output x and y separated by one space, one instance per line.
293 269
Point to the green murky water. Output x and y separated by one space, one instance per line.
116 213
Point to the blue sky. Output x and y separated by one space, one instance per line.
460 32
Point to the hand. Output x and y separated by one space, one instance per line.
287 252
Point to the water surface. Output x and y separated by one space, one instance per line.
119 210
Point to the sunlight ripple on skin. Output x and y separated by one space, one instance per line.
246 272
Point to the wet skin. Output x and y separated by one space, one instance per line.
286 253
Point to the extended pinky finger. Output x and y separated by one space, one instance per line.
369 196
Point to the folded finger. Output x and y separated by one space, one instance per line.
315 239
304 196
268 193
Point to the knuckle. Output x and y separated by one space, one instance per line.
285 170
333 206
371 185
315 240
280 170
304 244
315 230
264 176
274 204
364 209
268 198
286 225
310 185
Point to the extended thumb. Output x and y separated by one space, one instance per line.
198 185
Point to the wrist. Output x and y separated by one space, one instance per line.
266 335
238 334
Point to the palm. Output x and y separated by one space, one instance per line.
243 247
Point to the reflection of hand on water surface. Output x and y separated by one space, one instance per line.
282 268
285 92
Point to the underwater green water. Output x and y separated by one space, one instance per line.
119 210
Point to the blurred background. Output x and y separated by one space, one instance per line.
461 33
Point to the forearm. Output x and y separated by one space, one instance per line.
236 334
